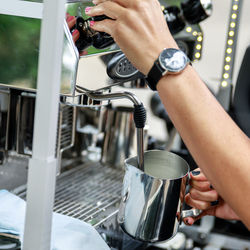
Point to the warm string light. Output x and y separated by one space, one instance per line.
224 84
198 47
230 43
199 38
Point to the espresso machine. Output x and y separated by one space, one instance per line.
72 151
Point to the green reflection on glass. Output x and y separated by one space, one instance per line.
78 9
19 46
19 52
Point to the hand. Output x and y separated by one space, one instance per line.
137 26
203 196
71 21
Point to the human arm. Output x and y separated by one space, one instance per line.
217 144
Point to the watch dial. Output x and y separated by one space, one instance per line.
173 60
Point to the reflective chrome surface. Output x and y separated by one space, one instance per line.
17 110
119 135
25 122
139 131
151 204
18 69
4 114
77 8
89 192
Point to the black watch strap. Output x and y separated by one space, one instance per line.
154 75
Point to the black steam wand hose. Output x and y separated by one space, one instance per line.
139 117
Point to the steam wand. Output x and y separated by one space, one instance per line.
139 117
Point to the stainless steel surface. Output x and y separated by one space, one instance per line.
25 123
115 96
19 69
66 131
119 135
66 127
90 192
87 129
13 172
132 97
85 97
17 109
140 147
80 100
191 213
151 204
77 8
4 117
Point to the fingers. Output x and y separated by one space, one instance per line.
201 193
200 185
75 35
108 8
106 26
71 21
199 181
120 2
113 11
209 196
198 175
199 204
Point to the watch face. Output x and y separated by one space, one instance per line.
173 60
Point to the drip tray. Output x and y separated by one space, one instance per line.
90 192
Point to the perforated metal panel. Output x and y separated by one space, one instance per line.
90 192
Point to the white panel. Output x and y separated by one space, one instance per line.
21 8
42 166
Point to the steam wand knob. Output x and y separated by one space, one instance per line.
88 36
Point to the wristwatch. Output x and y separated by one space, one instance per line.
170 61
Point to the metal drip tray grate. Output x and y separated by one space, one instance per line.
90 192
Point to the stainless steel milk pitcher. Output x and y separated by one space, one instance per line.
151 206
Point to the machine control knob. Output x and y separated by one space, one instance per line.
102 40
174 19
196 11
88 36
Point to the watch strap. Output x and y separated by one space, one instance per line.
154 75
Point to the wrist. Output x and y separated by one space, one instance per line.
171 61
154 54
167 80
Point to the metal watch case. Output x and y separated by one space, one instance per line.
172 61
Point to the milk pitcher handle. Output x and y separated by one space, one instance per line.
194 212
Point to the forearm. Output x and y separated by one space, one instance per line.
219 147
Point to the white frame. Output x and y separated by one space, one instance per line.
43 164
21 8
